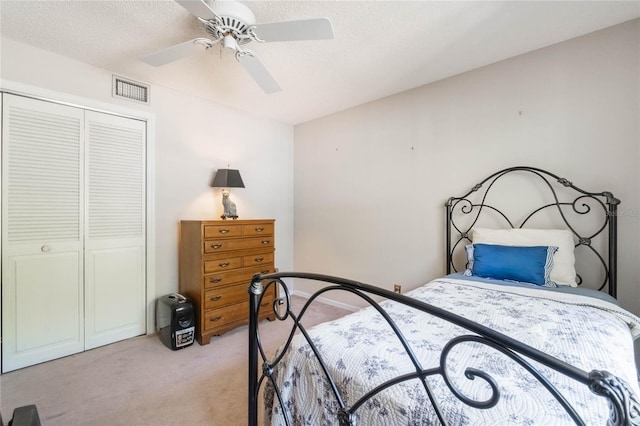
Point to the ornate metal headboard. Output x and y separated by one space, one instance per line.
539 199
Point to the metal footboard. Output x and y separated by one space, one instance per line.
623 404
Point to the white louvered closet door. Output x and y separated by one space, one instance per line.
42 284
73 230
115 229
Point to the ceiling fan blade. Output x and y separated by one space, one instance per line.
257 70
198 8
174 53
306 29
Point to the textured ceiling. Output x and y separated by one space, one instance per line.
380 47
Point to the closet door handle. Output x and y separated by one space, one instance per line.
45 248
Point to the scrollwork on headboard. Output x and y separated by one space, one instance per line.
556 201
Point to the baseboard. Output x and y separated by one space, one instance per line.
327 301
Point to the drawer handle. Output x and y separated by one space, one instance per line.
258 229
223 264
258 259
216 246
45 248
214 319
215 280
223 231
265 271
262 305
265 242
216 298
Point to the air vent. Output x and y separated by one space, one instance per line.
127 89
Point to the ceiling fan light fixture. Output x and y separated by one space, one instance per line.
230 43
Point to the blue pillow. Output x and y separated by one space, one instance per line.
515 263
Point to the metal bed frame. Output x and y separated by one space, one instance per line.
623 404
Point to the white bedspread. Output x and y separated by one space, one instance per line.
362 351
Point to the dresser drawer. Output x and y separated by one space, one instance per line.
243 275
258 259
258 229
219 297
217 231
239 312
218 318
222 264
220 245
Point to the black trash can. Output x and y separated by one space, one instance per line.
175 321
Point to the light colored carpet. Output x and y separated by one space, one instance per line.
140 382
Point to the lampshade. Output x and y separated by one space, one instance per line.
227 178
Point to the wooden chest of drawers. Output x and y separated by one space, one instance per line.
217 260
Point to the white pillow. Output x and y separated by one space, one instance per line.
564 270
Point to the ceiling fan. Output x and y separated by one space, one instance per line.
232 24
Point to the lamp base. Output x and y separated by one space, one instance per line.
229 206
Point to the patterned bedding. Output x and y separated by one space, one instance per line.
362 351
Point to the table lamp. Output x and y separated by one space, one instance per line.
225 179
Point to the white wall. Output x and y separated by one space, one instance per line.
192 138
371 182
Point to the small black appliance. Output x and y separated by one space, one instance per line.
175 321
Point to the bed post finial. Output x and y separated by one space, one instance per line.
624 407
610 198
